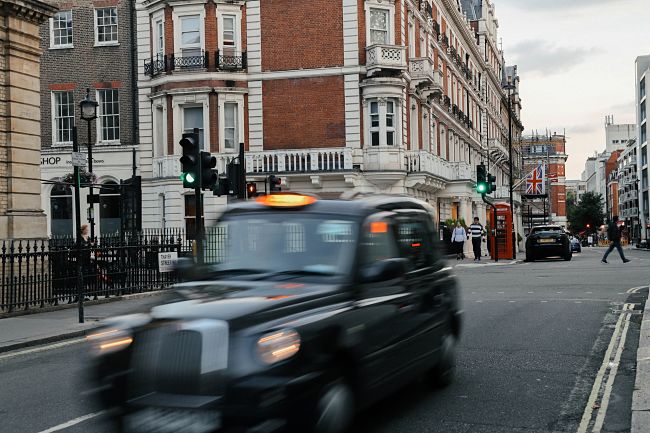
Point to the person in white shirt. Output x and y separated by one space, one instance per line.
476 232
458 237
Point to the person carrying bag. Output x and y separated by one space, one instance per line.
458 237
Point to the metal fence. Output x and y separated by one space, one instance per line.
38 274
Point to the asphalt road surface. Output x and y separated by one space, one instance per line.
536 342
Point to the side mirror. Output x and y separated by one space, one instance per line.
384 270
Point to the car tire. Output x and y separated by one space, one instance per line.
568 257
529 257
444 372
332 411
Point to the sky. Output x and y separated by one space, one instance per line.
576 63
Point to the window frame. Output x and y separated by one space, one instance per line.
205 145
230 98
383 115
55 129
230 11
117 27
390 8
185 11
101 116
54 46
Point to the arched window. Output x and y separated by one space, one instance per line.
109 208
61 211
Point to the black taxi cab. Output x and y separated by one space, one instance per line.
305 311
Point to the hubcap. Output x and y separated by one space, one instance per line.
335 409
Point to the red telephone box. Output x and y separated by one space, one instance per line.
503 227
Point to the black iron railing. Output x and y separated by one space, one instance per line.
231 61
180 61
38 274
156 65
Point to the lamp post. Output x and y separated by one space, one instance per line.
89 113
510 86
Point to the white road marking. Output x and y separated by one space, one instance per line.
531 292
600 418
500 293
617 337
72 422
42 348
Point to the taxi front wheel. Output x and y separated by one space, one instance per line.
335 408
442 375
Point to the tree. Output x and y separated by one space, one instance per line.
588 212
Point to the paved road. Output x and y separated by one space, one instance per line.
535 337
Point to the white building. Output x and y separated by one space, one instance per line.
642 90
628 194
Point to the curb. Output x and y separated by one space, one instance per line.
45 340
641 394
86 303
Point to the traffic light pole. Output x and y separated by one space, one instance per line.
198 198
494 227
77 214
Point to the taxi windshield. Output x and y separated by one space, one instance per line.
279 243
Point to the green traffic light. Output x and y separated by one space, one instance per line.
481 187
187 177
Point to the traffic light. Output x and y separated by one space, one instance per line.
274 183
251 189
190 160
481 182
491 183
208 174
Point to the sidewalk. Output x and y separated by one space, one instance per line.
46 327
641 396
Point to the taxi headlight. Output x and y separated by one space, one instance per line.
278 346
109 340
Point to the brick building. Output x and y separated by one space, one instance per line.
551 151
393 96
88 44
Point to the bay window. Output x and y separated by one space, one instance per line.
382 122
193 118
190 43
230 125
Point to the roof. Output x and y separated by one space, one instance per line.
357 207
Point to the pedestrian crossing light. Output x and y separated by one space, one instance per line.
481 179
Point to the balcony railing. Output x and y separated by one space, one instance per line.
231 61
292 161
385 57
156 65
180 61
426 162
422 71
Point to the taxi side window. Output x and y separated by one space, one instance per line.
415 242
377 243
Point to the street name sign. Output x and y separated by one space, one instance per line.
167 261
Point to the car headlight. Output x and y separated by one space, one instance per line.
116 335
278 346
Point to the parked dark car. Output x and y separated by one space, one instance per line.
316 309
548 241
576 246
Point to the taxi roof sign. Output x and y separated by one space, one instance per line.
286 200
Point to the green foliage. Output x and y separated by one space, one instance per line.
589 211
452 222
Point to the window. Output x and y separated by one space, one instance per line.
229 36
61 30
382 123
61 211
106 26
411 40
644 136
193 118
160 131
379 26
643 111
109 208
63 111
191 36
642 89
109 114
160 38
414 243
378 243
230 125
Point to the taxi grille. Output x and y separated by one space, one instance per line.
179 358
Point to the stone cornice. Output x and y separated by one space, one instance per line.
33 11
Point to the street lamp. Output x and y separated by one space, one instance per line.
510 85
89 113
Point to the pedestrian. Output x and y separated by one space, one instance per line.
476 231
614 235
458 240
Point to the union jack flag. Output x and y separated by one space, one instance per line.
535 184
